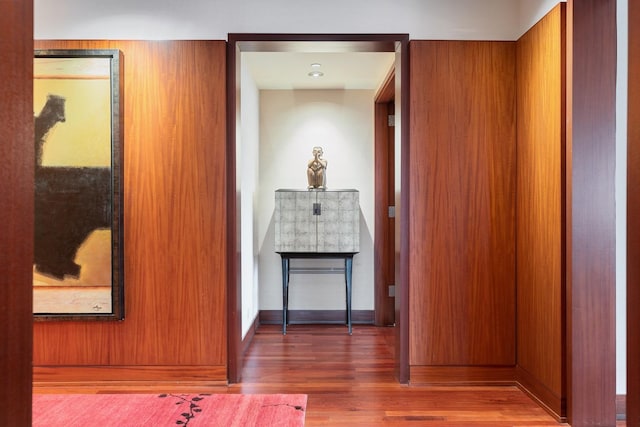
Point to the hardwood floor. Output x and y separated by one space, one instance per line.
350 381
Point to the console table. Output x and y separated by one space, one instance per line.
318 224
287 270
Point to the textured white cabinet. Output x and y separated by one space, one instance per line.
322 221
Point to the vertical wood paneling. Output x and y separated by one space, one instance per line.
174 215
591 307
462 223
540 207
16 212
633 220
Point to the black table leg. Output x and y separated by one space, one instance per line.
348 267
286 271
285 293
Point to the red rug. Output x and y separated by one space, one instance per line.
158 410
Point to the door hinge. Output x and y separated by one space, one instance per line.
392 290
391 120
392 211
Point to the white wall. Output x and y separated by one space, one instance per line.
248 148
213 19
291 124
531 11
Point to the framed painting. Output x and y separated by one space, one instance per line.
78 247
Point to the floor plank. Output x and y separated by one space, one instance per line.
350 381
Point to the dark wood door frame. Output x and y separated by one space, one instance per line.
16 216
299 43
384 241
591 135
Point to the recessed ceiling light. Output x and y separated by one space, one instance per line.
316 65
316 74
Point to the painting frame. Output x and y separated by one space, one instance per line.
79 192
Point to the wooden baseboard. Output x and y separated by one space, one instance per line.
621 407
462 375
274 317
134 387
126 378
491 375
553 403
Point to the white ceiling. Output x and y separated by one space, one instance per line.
216 19
289 70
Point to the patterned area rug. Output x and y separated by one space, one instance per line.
158 410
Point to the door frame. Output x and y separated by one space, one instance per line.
250 42
383 244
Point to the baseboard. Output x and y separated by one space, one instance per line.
462 375
246 341
126 378
621 407
491 375
274 317
554 404
145 387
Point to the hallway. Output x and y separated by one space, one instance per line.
349 382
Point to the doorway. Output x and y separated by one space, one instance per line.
241 43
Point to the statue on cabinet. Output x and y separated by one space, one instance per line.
316 170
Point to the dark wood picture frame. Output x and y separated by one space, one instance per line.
78 245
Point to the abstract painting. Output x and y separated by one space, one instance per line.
78 250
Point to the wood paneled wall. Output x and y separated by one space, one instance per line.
591 137
462 220
174 226
541 209
16 212
633 220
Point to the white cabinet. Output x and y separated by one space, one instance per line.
317 221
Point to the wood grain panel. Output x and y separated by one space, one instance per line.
540 206
154 374
633 220
462 375
591 106
462 224
174 215
16 215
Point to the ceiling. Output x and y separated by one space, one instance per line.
341 70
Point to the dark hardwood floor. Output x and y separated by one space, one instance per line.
350 381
